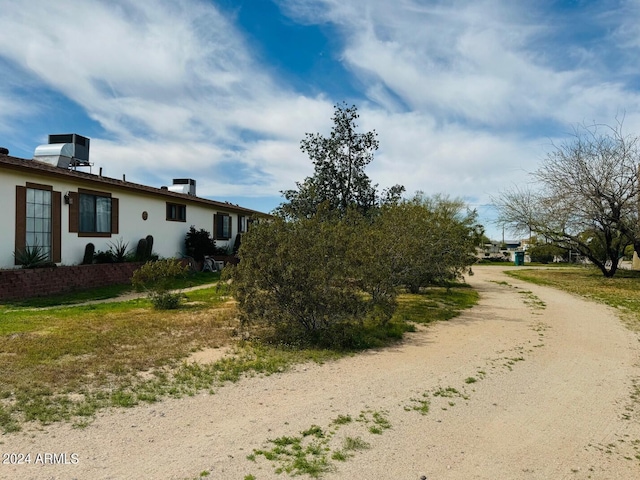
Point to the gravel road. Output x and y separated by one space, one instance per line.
532 383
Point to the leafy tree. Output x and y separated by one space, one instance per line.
339 179
199 243
545 252
432 240
337 253
587 197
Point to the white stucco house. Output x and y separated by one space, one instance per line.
49 201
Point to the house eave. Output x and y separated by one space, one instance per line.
36 168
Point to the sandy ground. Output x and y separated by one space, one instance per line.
552 400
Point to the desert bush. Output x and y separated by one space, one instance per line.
329 276
302 275
426 241
199 243
155 278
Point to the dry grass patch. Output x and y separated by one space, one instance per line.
68 362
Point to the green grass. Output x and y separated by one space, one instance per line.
449 392
420 405
100 293
94 354
313 451
532 300
303 454
435 304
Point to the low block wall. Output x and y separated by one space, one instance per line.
40 282
232 259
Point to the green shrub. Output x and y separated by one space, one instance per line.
545 252
310 280
199 243
155 277
118 252
333 280
103 257
428 240
165 300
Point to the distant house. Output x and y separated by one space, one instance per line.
48 201
504 250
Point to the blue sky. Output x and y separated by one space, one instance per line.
467 96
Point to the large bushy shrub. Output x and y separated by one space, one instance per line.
428 240
546 253
199 243
326 272
304 274
332 262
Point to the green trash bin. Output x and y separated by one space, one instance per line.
519 258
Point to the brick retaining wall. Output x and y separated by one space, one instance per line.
40 282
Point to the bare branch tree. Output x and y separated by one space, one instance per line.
587 196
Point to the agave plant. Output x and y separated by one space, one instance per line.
32 256
119 250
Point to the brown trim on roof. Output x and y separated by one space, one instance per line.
39 186
39 168
84 191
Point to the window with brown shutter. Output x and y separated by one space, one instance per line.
222 226
93 214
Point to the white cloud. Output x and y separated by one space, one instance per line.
478 62
167 79
463 93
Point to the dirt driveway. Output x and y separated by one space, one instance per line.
533 385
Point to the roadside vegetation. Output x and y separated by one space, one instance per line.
317 450
69 362
327 270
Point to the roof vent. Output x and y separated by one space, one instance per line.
184 185
4 151
68 150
